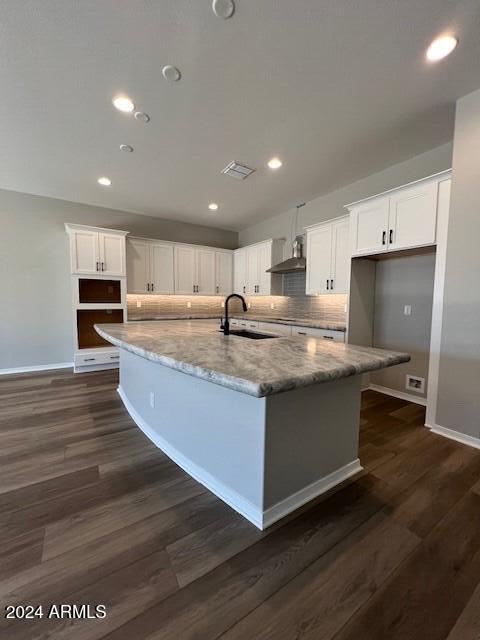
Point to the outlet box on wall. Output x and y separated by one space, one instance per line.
415 383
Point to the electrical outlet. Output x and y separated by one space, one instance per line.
414 383
152 399
407 310
249 305
223 304
272 305
139 304
189 305
345 308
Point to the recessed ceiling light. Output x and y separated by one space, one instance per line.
275 163
171 73
104 181
126 147
141 116
213 206
223 8
123 103
441 47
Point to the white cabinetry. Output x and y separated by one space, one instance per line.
250 269
194 270
328 260
404 218
223 272
149 266
96 251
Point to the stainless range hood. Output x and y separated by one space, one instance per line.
296 263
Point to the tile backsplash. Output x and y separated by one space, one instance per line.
294 303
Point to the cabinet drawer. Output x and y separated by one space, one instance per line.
273 327
326 334
244 324
102 357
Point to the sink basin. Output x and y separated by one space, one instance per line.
253 335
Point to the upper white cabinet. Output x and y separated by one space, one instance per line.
223 272
149 267
403 218
328 259
240 271
96 251
250 269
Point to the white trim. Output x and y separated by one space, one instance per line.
298 499
232 498
309 227
398 394
37 367
70 226
261 519
443 212
441 175
463 438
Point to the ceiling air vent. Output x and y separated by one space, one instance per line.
238 171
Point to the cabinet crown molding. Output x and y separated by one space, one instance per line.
441 175
70 227
324 222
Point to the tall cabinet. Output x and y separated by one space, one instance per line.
98 281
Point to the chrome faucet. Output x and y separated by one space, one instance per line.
225 326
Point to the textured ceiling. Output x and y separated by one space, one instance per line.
338 89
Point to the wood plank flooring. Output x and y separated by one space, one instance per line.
92 513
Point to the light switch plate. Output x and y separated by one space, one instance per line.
139 304
152 399
189 305
272 305
407 310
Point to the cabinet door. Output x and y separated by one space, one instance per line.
252 271
319 260
223 272
184 270
240 271
413 217
369 227
264 262
84 252
112 254
161 268
138 275
340 277
205 270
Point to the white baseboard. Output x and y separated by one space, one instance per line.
409 397
261 519
463 438
298 499
38 367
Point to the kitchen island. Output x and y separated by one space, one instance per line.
266 425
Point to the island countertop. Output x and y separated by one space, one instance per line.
255 367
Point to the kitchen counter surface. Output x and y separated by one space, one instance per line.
297 322
255 367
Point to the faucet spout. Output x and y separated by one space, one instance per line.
225 326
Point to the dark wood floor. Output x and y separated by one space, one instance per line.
92 513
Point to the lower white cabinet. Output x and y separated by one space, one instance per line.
327 334
149 267
286 329
273 327
328 258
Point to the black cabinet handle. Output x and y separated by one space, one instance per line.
391 236
152 287
328 337
384 237
97 268
328 288
244 289
331 284
148 286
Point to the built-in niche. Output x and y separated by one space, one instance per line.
93 291
86 319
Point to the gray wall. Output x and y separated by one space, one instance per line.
399 282
35 311
458 405
331 205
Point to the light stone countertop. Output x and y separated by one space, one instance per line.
255 367
297 322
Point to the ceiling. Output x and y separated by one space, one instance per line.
338 89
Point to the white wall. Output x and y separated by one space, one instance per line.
331 204
458 406
35 299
